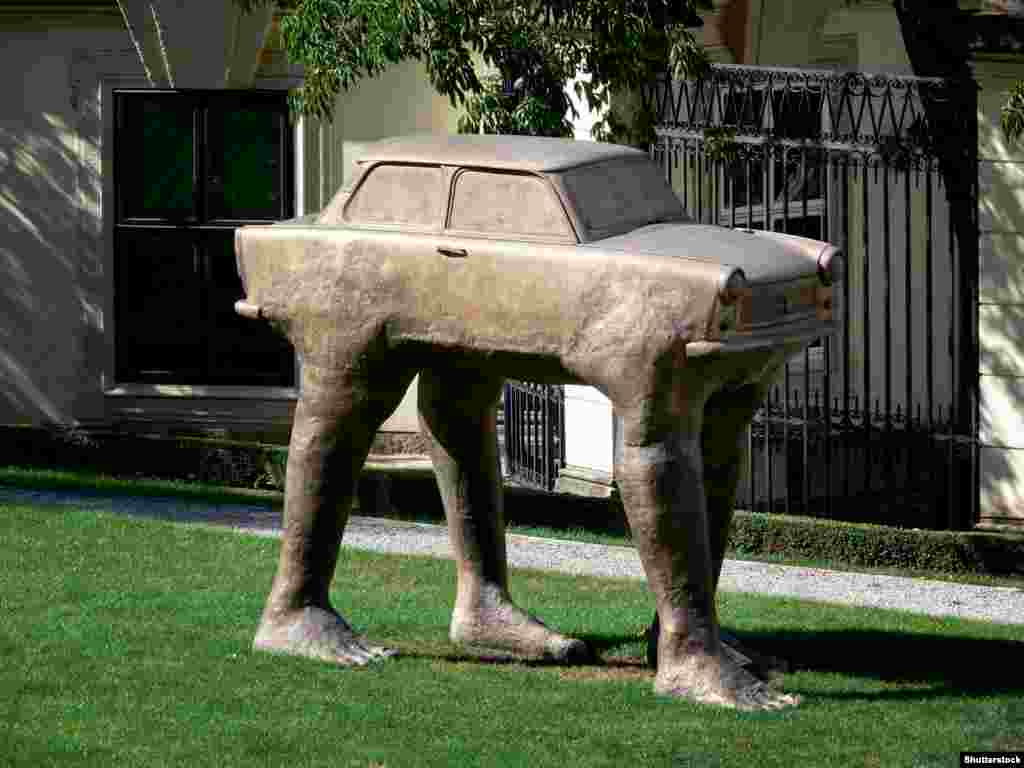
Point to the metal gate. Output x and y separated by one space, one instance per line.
532 418
878 423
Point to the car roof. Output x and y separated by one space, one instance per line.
528 153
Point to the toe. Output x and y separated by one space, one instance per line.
762 697
573 651
380 653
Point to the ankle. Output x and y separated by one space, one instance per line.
686 641
475 595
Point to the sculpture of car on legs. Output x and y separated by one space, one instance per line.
468 259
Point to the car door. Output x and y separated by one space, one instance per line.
508 248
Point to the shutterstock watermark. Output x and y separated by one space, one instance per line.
991 758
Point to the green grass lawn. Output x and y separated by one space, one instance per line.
126 642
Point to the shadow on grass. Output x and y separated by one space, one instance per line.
948 666
504 658
598 665
961 663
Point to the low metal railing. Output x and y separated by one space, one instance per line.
534 433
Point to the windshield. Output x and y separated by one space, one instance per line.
619 195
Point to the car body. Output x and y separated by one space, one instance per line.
545 253
470 259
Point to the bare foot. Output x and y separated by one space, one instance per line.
714 678
763 665
318 633
495 622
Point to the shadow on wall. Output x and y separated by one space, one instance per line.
51 270
1001 324
1001 415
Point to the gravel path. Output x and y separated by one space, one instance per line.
937 598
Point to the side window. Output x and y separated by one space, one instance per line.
409 195
507 204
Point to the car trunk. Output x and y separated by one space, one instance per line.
764 257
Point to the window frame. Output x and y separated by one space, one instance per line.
202 227
570 238
365 173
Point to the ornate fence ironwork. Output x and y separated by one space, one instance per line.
880 422
836 110
534 432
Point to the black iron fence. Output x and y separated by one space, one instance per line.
533 422
878 423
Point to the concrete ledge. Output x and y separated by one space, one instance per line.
584 481
1002 489
399 463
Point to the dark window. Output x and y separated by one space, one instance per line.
619 195
190 167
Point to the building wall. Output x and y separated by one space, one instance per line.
1001 305
859 35
399 101
56 258
53 286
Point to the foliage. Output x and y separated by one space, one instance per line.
536 47
495 110
858 545
1012 117
720 144
874 546
216 462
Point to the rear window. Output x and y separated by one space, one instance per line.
406 195
619 195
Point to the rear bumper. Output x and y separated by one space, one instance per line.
785 337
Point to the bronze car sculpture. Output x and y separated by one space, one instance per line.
468 259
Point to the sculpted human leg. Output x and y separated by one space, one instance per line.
724 453
457 410
335 421
661 478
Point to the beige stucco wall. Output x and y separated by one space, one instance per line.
783 32
53 289
863 35
56 256
398 101
1001 299
197 43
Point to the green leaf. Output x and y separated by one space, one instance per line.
1012 114
538 45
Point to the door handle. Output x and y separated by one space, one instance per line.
459 253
